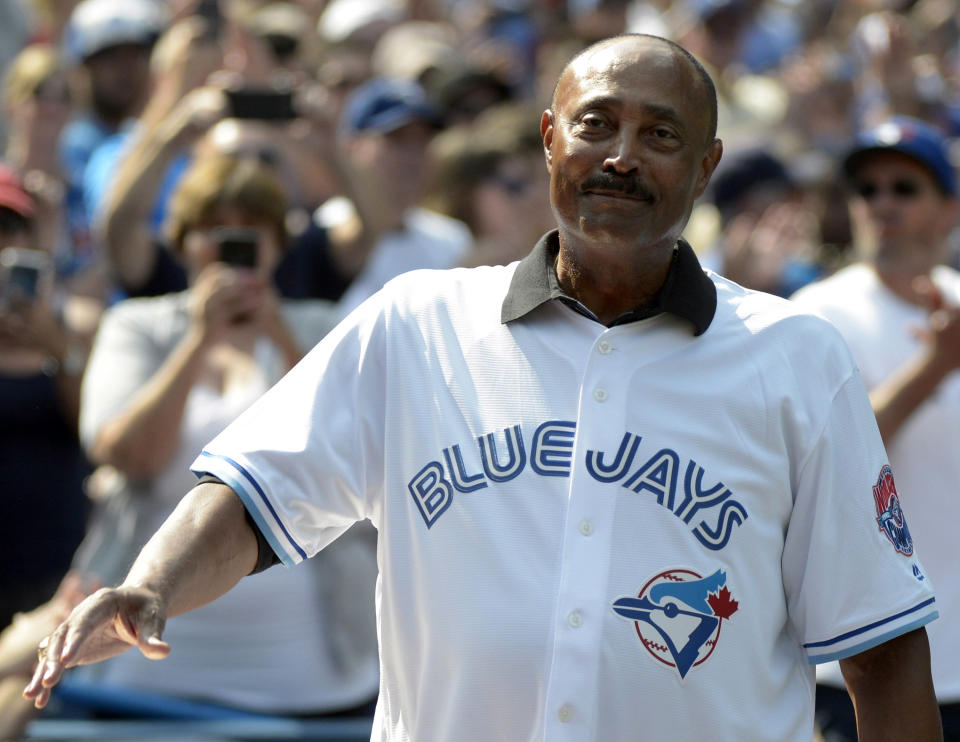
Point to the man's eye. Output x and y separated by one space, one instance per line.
593 122
662 133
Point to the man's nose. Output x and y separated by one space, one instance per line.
626 155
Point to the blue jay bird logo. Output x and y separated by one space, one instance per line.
678 615
890 516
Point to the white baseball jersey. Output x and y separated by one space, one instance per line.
589 532
883 333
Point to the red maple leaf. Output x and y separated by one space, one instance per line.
723 604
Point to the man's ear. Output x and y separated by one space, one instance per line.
546 133
711 158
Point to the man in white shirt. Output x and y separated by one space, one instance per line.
387 125
608 486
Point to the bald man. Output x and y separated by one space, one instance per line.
609 486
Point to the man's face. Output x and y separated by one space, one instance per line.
897 206
398 158
119 79
627 145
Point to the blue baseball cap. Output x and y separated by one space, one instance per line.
384 104
924 143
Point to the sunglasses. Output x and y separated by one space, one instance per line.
901 189
514 186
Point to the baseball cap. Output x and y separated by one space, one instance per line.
96 25
282 25
12 194
342 20
924 143
385 104
745 170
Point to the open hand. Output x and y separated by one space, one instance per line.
104 625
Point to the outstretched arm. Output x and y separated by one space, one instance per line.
203 549
892 691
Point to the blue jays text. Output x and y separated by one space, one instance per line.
708 508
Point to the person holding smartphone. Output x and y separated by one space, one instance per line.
168 371
44 337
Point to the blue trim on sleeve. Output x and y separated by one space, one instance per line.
816 659
868 627
256 511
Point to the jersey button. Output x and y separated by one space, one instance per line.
586 527
600 394
575 619
565 713
604 347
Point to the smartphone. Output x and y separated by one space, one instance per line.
237 246
261 103
25 274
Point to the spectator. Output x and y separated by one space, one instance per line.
43 350
183 58
303 152
490 176
167 371
141 264
111 42
767 232
388 127
899 311
38 101
463 93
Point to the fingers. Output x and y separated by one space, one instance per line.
48 670
929 295
102 626
60 650
227 296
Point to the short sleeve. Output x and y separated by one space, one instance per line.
123 358
851 573
307 457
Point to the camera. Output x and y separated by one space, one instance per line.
24 273
265 104
237 246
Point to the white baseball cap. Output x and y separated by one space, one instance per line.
96 25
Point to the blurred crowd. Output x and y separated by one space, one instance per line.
193 192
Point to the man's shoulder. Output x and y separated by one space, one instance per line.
83 132
435 223
754 308
947 280
779 322
159 320
145 308
836 289
445 237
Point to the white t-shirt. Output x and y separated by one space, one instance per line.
587 533
428 240
882 331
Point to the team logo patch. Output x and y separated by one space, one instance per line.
678 615
890 517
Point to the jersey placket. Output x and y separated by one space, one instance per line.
582 600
